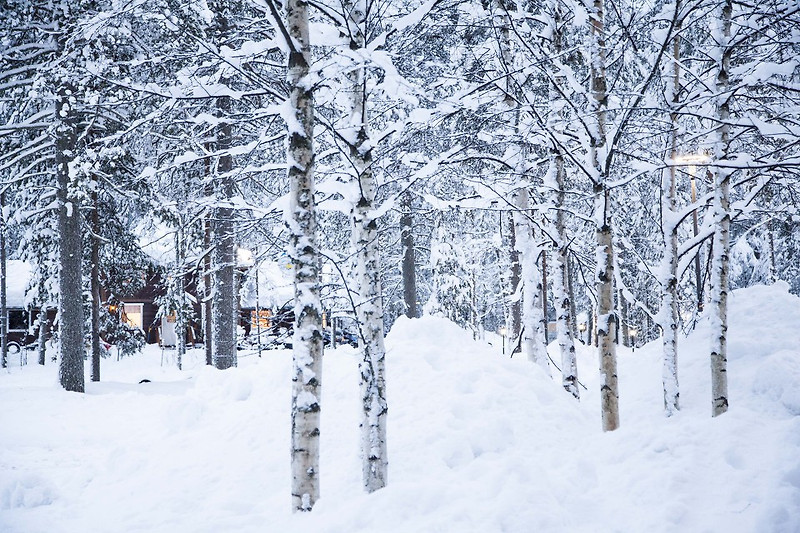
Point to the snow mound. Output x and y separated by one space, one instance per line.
24 491
763 347
478 442
763 320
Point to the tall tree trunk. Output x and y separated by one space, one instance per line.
95 282
409 256
606 320
3 285
307 340
208 330
573 313
180 313
668 316
515 311
42 323
532 341
224 300
543 298
698 275
773 268
365 240
555 181
69 250
624 319
722 218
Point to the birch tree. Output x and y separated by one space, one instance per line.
668 316
721 35
533 345
369 305
604 252
555 183
307 340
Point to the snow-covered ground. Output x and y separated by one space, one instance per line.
477 442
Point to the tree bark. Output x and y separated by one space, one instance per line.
307 340
543 298
532 341
42 323
562 292
515 311
368 282
606 319
409 256
180 313
3 285
207 293
69 250
95 282
668 316
624 319
224 300
722 219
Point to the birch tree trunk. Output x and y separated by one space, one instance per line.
606 320
555 181
722 218
532 340
307 339
501 25
573 313
69 249
668 316
365 241
515 307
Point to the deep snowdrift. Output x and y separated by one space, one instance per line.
477 442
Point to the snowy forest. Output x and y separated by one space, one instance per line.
589 173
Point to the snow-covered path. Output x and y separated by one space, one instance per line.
477 442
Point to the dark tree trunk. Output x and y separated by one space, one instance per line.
224 297
409 263
545 333
70 247
95 286
42 323
3 281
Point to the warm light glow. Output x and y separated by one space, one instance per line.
633 332
582 327
502 331
112 308
689 159
244 257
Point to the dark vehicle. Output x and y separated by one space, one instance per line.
276 330
21 326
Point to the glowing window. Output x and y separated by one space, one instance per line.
133 315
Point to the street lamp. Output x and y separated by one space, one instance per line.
582 329
632 332
502 331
